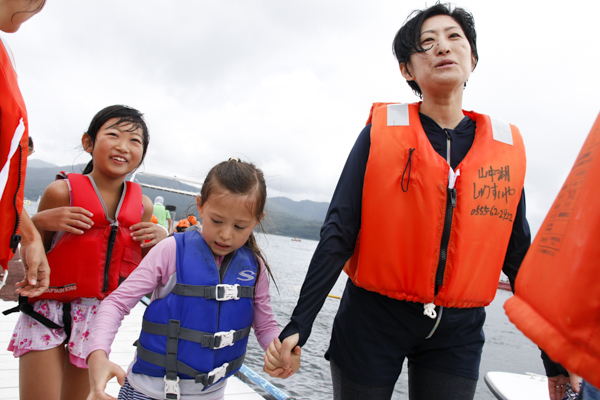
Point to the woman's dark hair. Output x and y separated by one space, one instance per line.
407 41
125 115
240 179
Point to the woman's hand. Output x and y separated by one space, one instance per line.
557 386
101 370
75 220
148 233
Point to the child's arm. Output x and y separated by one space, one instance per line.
264 324
55 196
74 220
147 232
154 269
267 330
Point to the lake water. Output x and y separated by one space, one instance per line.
506 349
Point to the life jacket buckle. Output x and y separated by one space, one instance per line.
217 373
172 389
226 292
4 278
223 339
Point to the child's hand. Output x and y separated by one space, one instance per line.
274 364
147 232
68 219
101 370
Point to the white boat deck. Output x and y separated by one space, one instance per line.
122 354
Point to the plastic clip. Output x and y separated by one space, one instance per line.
230 292
225 339
217 373
172 389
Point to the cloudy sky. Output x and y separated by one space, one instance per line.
288 84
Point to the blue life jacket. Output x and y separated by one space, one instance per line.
199 330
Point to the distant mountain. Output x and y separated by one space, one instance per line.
302 219
38 178
277 223
39 164
305 209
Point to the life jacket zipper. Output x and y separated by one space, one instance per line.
114 227
450 204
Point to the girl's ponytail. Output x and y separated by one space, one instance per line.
88 168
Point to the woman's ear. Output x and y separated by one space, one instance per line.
86 142
405 71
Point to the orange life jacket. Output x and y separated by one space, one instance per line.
13 161
410 200
90 265
557 294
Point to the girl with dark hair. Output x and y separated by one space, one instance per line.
208 289
53 331
428 211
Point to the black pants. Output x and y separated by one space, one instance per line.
373 335
423 384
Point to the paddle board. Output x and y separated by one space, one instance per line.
509 386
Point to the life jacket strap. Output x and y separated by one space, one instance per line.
220 292
211 340
205 378
27 308
172 345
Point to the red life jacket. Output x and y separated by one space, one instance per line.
557 294
13 161
420 230
90 265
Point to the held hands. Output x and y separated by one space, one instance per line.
557 385
280 360
148 233
75 220
101 370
